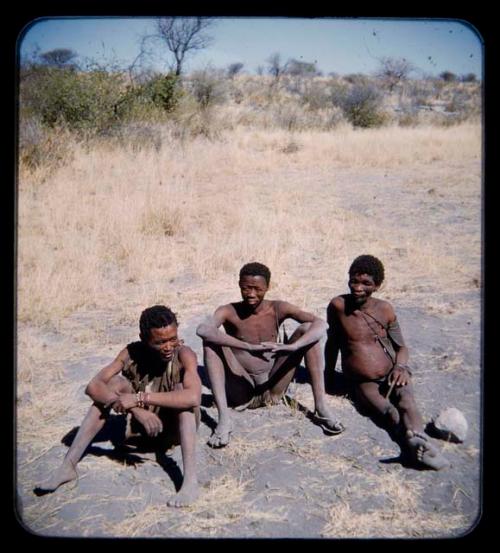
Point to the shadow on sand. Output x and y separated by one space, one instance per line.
125 452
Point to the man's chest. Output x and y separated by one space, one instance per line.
256 328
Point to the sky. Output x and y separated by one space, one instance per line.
336 45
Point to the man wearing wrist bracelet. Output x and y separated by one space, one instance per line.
375 359
154 382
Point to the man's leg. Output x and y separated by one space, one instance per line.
283 371
189 490
407 407
419 443
368 395
227 378
92 423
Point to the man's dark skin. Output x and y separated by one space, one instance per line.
246 360
109 389
354 319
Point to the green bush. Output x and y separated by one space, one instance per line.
161 91
362 106
97 101
81 101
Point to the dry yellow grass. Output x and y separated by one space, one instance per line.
401 514
390 523
115 226
220 505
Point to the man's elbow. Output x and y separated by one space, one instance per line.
201 330
321 325
90 389
205 332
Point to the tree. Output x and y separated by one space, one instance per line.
448 76
59 57
181 35
276 68
234 68
301 68
469 78
394 70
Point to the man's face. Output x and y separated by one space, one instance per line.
362 287
253 289
164 340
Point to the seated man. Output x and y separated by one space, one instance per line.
375 358
156 381
246 365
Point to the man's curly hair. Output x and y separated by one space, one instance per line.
256 269
157 316
370 265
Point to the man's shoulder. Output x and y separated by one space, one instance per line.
338 302
384 306
133 349
228 308
185 350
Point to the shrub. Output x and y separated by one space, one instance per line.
448 76
361 106
162 91
468 78
207 87
40 147
81 101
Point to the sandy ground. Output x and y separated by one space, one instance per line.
281 476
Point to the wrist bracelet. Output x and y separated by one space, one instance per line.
139 397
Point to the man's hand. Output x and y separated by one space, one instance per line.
124 402
260 348
279 348
400 376
151 422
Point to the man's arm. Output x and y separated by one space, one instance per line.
401 373
332 346
314 333
186 396
209 332
190 394
98 389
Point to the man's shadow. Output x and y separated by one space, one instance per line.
125 451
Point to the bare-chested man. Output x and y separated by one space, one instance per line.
375 358
247 365
156 381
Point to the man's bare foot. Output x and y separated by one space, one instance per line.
424 452
328 422
187 494
65 473
222 434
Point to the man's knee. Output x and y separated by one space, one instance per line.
392 414
119 383
406 399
